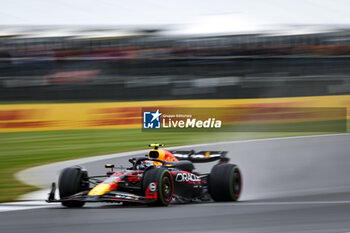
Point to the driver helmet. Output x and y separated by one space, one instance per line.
144 165
162 155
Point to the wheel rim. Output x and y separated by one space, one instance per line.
167 188
236 183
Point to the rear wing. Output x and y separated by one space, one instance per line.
201 156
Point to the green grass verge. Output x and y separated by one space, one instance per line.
27 149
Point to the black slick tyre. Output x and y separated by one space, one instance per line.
71 182
165 185
225 182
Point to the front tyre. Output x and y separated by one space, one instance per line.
165 185
225 182
71 181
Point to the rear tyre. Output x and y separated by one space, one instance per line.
165 185
225 182
71 181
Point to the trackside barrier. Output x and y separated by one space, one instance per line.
127 115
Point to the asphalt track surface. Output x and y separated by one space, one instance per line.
299 184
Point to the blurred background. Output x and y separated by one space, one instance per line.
114 54
94 63
149 50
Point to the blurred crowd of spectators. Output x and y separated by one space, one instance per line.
150 46
47 61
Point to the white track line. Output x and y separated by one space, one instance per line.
16 206
27 205
25 174
261 140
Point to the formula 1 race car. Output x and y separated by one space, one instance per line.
157 179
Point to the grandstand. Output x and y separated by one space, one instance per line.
107 62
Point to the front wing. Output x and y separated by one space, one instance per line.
112 196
